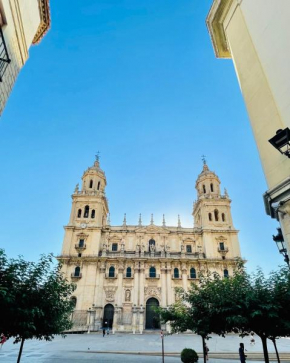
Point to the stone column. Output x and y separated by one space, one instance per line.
163 286
120 284
134 312
142 277
184 276
141 320
136 283
98 299
170 299
115 320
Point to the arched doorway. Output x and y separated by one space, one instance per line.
152 317
108 316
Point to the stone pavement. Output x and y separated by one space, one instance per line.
93 347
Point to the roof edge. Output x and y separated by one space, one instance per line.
44 21
214 22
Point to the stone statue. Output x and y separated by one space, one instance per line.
128 295
77 188
152 247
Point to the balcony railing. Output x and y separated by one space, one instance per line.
128 277
73 276
176 277
110 277
223 250
173 255
191 278
4 57
156 276
78 247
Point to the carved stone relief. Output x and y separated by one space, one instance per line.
110 292
152 291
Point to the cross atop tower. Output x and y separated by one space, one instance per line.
203 158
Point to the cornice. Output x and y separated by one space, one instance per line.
44 21
214 22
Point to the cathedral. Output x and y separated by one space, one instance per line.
123 272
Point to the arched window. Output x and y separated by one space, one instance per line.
98 187
79 213
176 273
152 272
115 247
226 273
204 190
81 242
211 187
86 212
129 272
223 217
192 273
209 217
93 213
222 246
73 300
91 184
77 271
216 214
112 271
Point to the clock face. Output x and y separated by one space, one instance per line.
83 225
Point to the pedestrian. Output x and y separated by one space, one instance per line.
252 341
2 339
206 350
242 353
104 332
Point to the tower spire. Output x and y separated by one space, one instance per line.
163 221
152 221
140 220
125 220
179 222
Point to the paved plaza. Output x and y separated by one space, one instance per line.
133 348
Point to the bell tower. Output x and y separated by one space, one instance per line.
212 215
88 213
212 209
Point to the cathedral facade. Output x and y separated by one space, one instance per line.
123 272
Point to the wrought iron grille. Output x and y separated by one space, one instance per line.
4 56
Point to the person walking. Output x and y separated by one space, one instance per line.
2 339
252 341
104 332
206 350
242 353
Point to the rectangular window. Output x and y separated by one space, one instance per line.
222 246
188 249
4 57
115 247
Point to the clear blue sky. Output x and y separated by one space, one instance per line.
137 80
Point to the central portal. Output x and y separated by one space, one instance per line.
108 316
152 317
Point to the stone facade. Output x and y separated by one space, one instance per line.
122 271
256 35
22 23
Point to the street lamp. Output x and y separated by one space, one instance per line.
281 141
281 245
